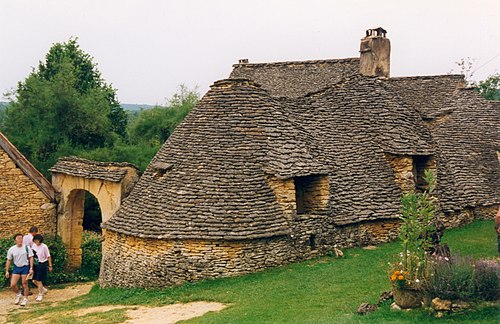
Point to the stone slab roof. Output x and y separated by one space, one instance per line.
78 167
290 119
295 79
208 181
28 169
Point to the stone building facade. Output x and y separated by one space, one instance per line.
26 198
282 161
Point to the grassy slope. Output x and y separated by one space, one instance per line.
323 290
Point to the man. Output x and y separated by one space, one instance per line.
28 238
22 256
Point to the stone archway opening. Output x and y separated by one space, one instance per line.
77 220
74 178
92 215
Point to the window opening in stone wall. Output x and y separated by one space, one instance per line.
311 193
312 242
420 164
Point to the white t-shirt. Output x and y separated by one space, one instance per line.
42 252
18 254
28 240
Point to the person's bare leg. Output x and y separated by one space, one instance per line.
24 281
39 285
13 282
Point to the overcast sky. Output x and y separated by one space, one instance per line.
146 48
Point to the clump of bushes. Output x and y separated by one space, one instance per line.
91 258
463 278
91 254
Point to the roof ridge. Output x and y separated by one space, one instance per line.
92 162
420 77
27 167
347 59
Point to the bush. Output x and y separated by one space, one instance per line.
463 278
451 279
91 254
487 279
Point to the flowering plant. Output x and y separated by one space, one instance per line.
399 278
417 222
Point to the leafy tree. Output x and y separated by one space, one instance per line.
3 115
490 88
153 126
62 106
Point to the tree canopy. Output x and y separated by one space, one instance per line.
63 105
490 87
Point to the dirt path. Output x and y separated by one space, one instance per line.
7 297
136 314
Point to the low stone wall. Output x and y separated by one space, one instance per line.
22 203
134 262
468 215
137 262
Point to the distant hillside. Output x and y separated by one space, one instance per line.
135 107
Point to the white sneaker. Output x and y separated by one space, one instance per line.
44 290
24 302
18 299
39 298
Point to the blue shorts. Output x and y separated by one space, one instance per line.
21 270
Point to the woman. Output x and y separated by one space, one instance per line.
42 254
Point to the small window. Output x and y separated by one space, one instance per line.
420 164
312 242
311 193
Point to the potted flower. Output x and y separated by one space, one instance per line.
417 223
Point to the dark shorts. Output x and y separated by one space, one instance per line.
21 270
41 271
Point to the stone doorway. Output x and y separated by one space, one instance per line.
72 177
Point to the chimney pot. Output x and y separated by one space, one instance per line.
243 61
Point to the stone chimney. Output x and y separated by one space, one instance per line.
375 57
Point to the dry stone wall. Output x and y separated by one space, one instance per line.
22 203
136 262
130 261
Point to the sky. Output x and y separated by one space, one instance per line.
147 48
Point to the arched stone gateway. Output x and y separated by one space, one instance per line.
109 182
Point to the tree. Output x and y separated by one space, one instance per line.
490 88
153 126
62 106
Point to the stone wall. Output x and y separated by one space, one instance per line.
468 215
22 203
136 262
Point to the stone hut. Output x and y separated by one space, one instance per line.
26 197
282 161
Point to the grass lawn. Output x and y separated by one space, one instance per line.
323 290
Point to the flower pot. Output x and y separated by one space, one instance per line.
407 297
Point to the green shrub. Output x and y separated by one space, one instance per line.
452 278
91 254
463 278
5 244
487 279
417 224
